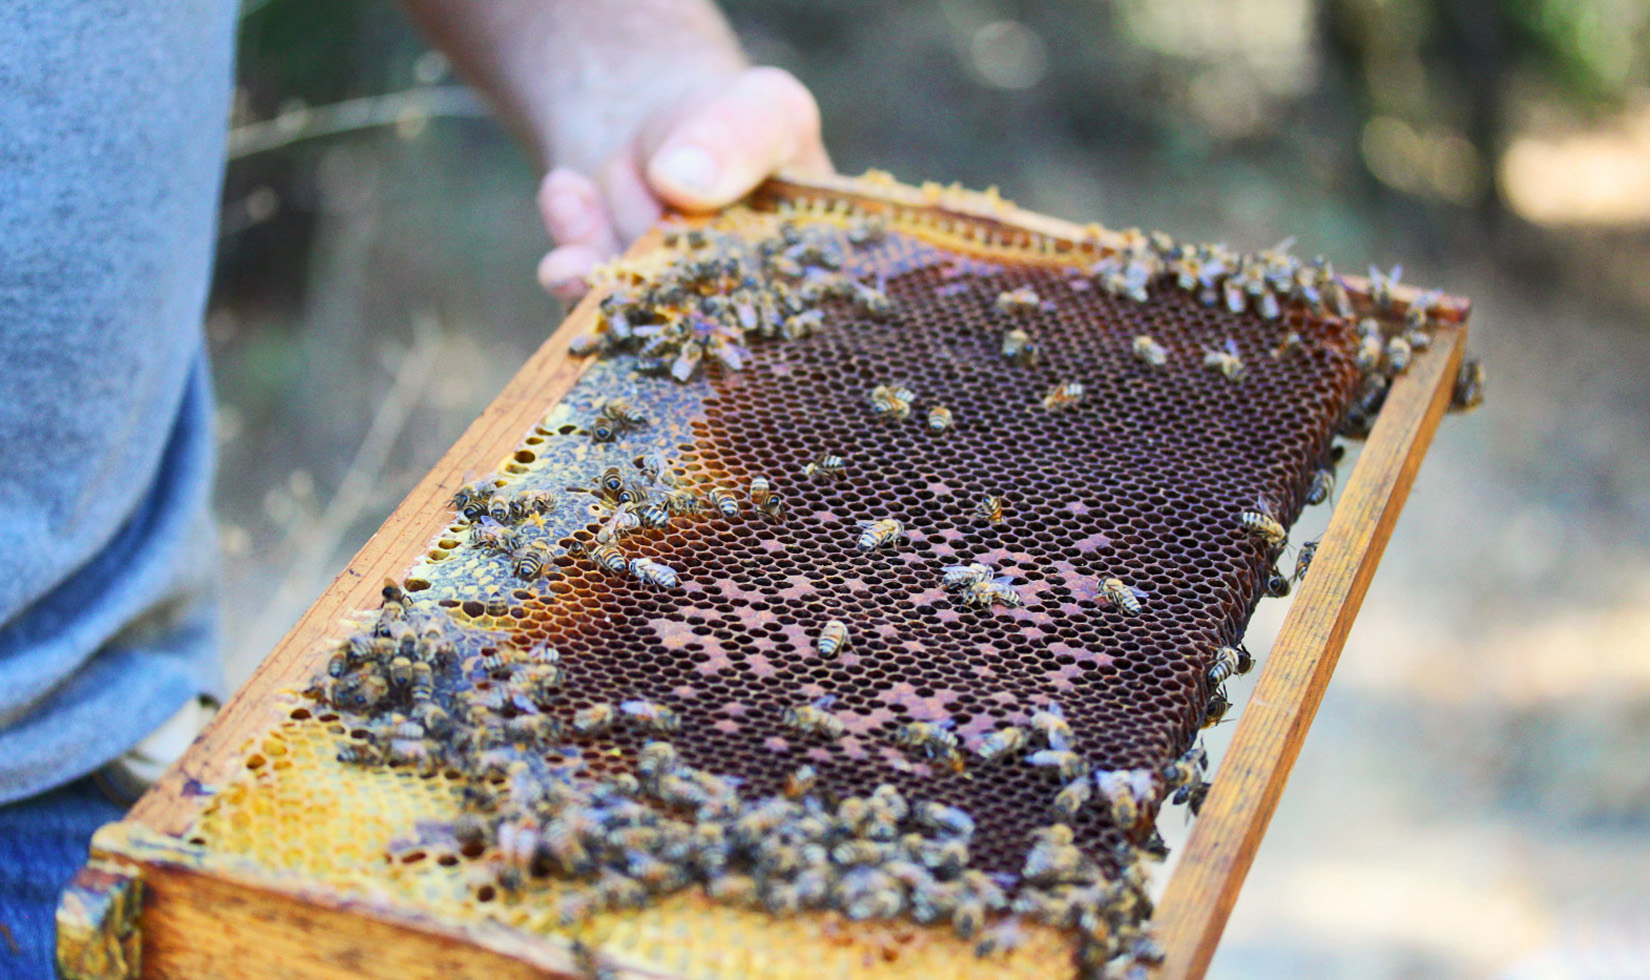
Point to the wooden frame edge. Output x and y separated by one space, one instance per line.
1266 742
1271 728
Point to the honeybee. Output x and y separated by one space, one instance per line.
610 559
1368 356
470 500
1022 300
879 533
1322 485
1276 584
591 964
1187 769
815 718
1291 343
892 403
999 591
364 755
1054 858
1050 722
939 419
656 759
1381 286
963 576
833 637
683 502
530 560
1192 795
1018 348
1126 792
867 229
500 510
761 492
1226 360
604 429
650 716
825 464
968 918
1071 799
656 468
1149 352
1064 396
870 300
803 324
1216 709
932 738
1001 743
1229 662
655 516
1398 355
1067 763
1468 393
1263 525
989 510
620 412
857 851
649 572
724 501
801 782
1303 561
1125 597
490 535
359 692
946 820
595 719
532 501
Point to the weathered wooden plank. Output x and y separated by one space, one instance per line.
1274 723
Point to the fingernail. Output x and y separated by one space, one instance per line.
692 169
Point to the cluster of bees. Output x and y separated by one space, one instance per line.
623 841
726 290
432 696
1266 283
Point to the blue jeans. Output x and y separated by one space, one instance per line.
43 842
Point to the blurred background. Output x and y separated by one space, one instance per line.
1474 800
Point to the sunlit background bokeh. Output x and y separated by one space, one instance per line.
1474 800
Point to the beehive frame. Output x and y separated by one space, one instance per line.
193 920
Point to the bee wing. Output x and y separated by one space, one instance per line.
1053 708
957 569
825 702
1231 347
1003 581
635 706
1140 593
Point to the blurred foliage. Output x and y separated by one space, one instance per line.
1346 102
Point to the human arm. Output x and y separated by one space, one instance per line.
630 107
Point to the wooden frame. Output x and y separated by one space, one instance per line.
112 926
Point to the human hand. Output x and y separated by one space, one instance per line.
695 153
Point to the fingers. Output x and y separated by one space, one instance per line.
764 121
577 220
760 122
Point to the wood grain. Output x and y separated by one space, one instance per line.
257 933
261 932
1273 725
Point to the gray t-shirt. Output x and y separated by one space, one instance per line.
112 128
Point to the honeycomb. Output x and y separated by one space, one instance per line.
1125 558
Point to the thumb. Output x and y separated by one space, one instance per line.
764 121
